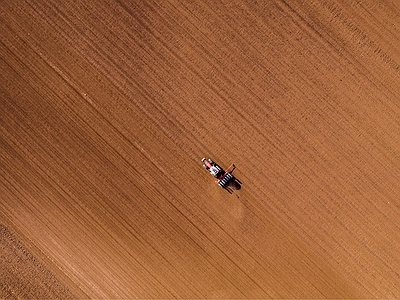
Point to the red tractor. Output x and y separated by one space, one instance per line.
224 177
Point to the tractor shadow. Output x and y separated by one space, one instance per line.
233 185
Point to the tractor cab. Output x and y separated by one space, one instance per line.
216 171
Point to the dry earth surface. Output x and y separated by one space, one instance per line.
107 108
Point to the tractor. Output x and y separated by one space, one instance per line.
223 177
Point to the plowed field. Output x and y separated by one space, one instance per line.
107 108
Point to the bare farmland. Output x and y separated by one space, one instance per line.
107 108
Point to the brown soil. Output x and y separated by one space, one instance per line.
23 276
107 108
